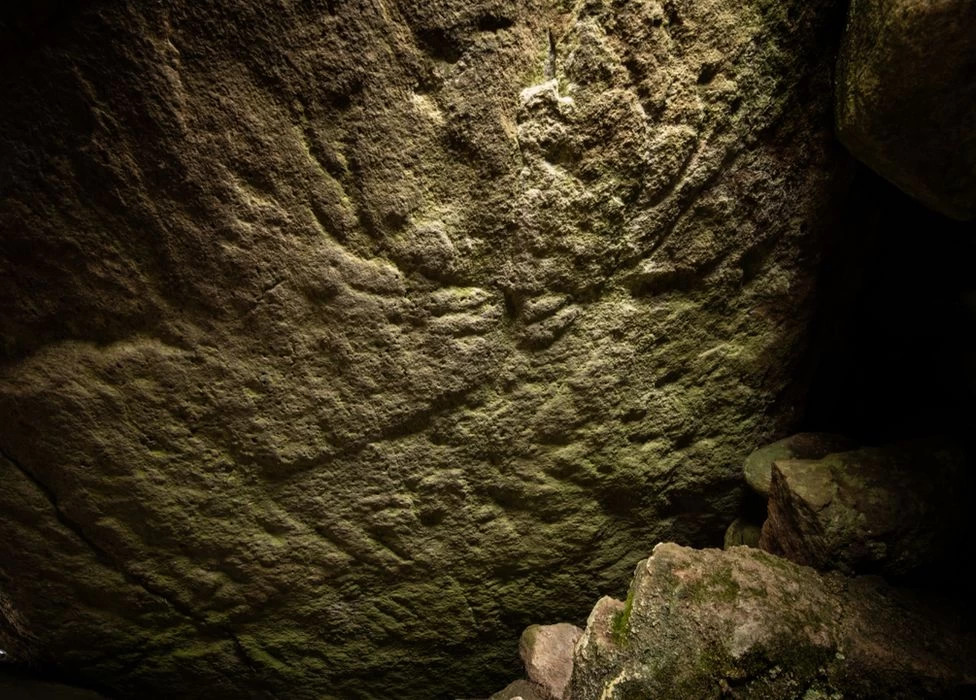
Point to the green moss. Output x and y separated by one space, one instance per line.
721 586
618 628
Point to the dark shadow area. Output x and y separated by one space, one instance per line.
896 360
18 684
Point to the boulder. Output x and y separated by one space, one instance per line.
331 329
906 95
547 652
758 465
891 510
744 623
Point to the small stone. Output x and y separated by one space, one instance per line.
547 652
742 533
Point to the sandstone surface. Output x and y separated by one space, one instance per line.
339 334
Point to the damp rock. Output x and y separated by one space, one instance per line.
307 318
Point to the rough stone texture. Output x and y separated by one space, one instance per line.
333 328
746 624
906 97
759 464
742 532
547 652
890 510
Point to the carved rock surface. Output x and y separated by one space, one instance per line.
906 96
887 510
744 623
332 328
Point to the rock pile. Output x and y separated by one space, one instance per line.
744 623
747 623
759 464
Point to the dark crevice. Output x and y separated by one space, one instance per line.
670 377
440 44
707 73
754 258
494 23
894 324
678 280
342 99
512 304
671 13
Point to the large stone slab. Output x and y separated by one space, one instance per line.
759 464
906 96
890 510
744 623
331 329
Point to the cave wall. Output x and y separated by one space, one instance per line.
343 338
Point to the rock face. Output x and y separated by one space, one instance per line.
759 464
331 328
743 623
891 510
906 95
